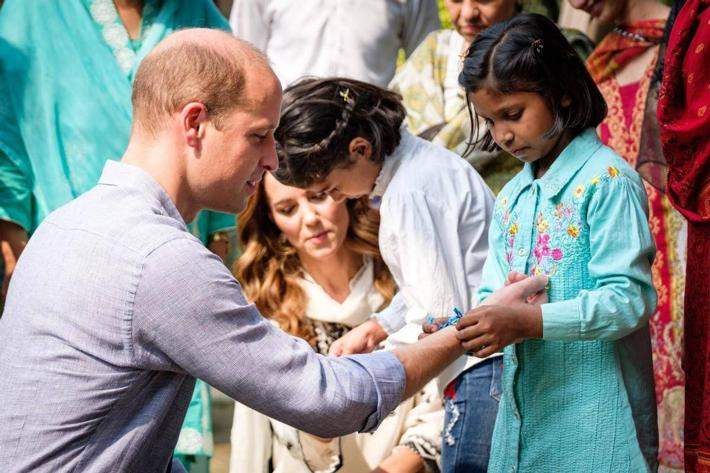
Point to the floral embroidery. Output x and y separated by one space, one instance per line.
513 229
578 191
553 236
595 180
613 172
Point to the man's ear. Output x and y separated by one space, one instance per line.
193 117
359 146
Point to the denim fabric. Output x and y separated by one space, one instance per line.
471 403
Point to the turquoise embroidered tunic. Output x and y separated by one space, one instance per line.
581 398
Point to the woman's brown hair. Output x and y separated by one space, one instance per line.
269 267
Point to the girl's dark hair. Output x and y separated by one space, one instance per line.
529 53
319 118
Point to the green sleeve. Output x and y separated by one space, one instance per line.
15 193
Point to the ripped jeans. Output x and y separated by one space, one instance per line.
471 406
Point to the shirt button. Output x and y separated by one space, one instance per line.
521 252
516 414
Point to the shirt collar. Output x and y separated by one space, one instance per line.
392 163
565 167
120 174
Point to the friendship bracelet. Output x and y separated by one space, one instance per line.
453 320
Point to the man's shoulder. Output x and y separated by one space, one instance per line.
117 218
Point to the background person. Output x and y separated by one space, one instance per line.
683 106
312 266
359 39
623 65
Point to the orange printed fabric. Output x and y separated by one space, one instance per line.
621 130
615 51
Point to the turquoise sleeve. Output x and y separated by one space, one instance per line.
622 251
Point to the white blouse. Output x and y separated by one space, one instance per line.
434 215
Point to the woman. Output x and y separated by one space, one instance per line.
623 67
428 81
685 126
313 267
66 70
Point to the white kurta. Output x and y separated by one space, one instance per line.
434 215
257 438
359 39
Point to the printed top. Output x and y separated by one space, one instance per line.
581 398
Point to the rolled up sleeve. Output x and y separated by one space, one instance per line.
191 316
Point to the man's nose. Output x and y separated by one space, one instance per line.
270 161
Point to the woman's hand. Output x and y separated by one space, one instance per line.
402 460
13 239
362 339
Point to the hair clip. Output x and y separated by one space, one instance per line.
345 94
538 45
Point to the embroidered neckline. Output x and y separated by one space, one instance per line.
114 32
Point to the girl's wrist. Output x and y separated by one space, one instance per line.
531 315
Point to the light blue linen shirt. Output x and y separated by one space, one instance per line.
114 309
582 398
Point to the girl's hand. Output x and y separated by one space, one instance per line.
490 328
362 339
537 299
518 289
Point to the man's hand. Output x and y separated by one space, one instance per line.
13 239
362 339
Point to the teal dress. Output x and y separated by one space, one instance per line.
66 70
581 399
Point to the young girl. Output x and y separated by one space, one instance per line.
577 382
312 266
343 137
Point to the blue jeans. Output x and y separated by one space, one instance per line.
471 406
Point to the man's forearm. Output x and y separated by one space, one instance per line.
425 359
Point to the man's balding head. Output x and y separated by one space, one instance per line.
194 65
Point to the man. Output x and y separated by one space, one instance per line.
114 308
359 39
